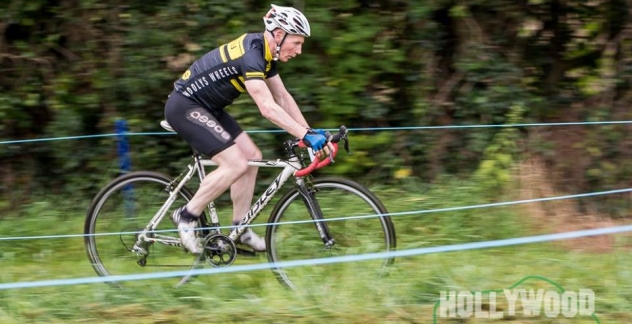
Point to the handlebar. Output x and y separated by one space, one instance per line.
316 163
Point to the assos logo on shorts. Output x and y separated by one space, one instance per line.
204 118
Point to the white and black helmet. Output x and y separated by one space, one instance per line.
289 19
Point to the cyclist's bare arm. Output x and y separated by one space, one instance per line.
285 99
262 96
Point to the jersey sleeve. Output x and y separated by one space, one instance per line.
254 65
273 69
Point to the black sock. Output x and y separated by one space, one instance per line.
187 216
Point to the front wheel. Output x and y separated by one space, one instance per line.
356 220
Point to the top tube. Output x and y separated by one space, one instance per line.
257 163
290 146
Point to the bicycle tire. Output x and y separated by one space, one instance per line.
109 253
290 229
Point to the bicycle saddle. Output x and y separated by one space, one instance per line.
165 125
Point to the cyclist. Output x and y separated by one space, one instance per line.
195 110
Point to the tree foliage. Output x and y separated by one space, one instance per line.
72 67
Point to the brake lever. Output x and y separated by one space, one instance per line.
344 131
331 153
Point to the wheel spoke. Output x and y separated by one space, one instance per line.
119 213
354 233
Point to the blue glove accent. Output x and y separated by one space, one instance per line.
314 140
319 131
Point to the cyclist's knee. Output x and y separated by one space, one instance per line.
248 148
239 167
236 164
255 154
232 161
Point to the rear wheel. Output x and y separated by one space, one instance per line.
359 224
124 207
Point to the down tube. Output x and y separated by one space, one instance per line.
265 198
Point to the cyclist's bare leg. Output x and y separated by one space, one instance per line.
232 170
242 190
232 165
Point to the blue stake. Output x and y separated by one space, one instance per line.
122 148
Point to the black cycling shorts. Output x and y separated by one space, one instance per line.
207 131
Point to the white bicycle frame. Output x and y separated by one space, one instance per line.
198 166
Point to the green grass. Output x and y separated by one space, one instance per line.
407 295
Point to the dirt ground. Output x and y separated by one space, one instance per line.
563 215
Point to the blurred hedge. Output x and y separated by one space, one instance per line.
72 67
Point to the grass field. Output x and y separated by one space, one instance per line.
407 295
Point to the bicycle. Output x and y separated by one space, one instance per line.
296 224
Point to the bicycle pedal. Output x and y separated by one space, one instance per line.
245 252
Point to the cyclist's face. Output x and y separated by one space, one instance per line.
292 47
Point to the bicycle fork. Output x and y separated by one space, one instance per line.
309 199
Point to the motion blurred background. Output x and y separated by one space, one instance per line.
430 86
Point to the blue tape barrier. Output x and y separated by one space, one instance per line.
365 129
324 261
332 219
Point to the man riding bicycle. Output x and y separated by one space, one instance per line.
195 110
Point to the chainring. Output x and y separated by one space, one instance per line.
219 250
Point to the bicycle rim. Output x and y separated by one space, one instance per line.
358 226
119 211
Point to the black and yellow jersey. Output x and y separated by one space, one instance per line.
216 79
